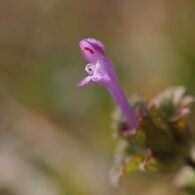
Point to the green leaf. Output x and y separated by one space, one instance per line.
133 163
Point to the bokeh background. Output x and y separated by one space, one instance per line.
56 138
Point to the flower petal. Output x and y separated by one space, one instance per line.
96 42
92 50
85 81
90 69
101 73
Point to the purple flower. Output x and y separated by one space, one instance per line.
100 70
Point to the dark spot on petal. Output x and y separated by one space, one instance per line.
89 50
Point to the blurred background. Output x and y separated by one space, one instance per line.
56 138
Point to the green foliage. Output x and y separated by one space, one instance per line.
133 163
162 139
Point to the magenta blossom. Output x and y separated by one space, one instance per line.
100 70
